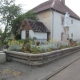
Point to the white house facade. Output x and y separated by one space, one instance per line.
74 27
52 15
50 24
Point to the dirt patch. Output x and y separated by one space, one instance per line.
11 72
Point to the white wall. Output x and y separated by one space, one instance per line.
40 35
31 33
58 28
75 29
23 34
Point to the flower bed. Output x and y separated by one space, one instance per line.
40 59
28 46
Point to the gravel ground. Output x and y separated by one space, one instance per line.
11 70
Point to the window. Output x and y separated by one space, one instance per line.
62 22
71 35
71 21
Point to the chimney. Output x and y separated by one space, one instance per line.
63 2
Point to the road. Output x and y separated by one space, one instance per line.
72 72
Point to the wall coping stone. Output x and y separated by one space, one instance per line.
41 58
39 54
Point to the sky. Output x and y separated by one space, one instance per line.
74 5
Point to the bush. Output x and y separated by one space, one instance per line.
43 48
15 45
28 47
1 43
36 50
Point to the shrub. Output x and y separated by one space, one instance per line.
15 45
0 43
36 50
28 47
43 48
51 46
49 49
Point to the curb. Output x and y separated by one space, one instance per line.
57 71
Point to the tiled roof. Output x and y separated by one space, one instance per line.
37 26
58 6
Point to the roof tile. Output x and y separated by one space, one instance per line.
58 6
37 26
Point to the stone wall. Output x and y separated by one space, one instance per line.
39 59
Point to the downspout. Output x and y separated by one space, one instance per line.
52 19
52 25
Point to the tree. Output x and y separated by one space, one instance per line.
8 11
0 32
16 23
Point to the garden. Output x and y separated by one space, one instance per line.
35 47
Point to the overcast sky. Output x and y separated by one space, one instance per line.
29 4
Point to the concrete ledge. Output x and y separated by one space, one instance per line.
41 58
2 57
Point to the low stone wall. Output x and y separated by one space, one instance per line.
2 57
40 59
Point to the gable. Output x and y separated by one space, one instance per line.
24 26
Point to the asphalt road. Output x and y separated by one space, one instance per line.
72 72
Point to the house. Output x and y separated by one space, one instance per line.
32 28
52 14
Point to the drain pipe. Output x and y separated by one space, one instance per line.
52 19
52 24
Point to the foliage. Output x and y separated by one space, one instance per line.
16 23
52 46
15 45
43 48
0 32
78 42
1 37
49 49
8 12
28 47
28 43
36 50
30 15
1 43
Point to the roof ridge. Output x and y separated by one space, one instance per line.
42 4
33 20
